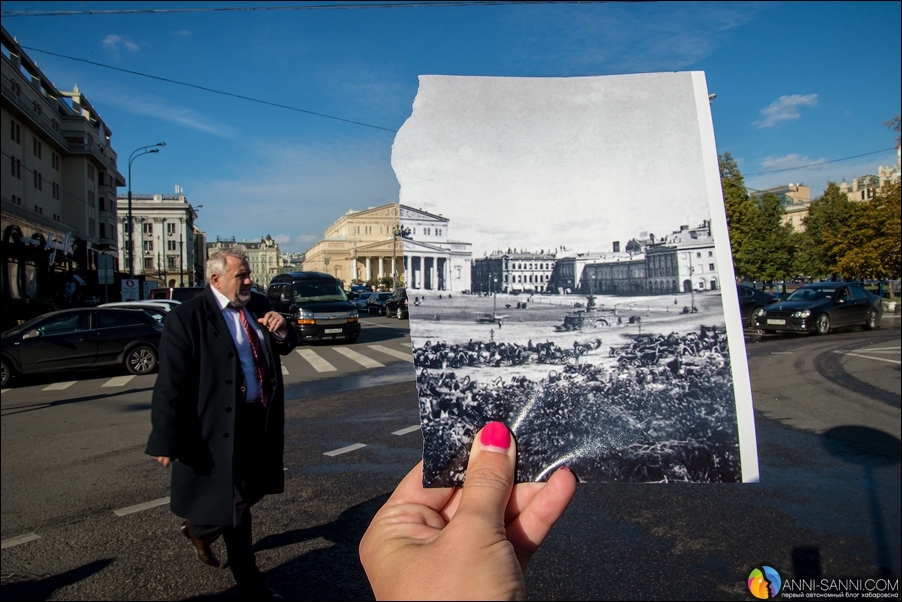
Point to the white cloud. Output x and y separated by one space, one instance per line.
115 42
784 108
159 108
788 162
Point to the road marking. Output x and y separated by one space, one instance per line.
781 352
318 363
118 381
59 386
398 354
3 391
344 450
359 358
374 324
879 359
139 507
284 370
409 429
407 344
14 541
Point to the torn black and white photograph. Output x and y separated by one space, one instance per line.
569 274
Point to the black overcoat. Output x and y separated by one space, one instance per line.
198 390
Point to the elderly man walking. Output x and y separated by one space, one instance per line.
218 412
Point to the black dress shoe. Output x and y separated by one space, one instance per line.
201 546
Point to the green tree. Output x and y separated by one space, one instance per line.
828 216
767 250
868 246
739 207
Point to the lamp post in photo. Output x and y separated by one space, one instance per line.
144 150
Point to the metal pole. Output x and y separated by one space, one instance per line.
131 232
181 264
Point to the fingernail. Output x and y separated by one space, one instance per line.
495 437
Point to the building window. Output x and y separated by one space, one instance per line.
170 229
148 228
38 181
91 199
698 254
37 147
55 161
39 210
148 263
57 218
17 200
171 245
173 261
102 230
16 166
92 227
15 131
711 267
710 253
102 201
91 172
56 191
148 245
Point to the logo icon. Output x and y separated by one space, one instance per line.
764 582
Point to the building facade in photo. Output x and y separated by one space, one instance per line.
696 257
433 261
263 256
58 190
164 247
513 271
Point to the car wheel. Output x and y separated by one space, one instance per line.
6 372
822 324
873 321
141 360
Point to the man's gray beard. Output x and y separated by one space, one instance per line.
241 300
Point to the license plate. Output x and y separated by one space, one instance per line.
333 331
769 321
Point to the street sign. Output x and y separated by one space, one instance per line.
105 269
130 289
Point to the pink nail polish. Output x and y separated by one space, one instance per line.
496 435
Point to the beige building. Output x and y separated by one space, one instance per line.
163 226
58 189
433 260
360 246
263 256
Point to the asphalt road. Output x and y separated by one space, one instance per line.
84 514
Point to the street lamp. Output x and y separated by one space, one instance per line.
131 245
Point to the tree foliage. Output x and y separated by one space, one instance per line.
868 246
828 216
736 202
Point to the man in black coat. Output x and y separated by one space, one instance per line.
218 412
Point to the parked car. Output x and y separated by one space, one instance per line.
397 305
751 301
179 293
375 304
317 306
81 338
156 310
360 300
821 307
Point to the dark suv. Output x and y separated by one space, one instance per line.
397 304
316 304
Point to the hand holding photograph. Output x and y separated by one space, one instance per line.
568 267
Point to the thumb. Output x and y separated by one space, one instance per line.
490 474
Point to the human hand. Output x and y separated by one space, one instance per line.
274 322
165 460
470 543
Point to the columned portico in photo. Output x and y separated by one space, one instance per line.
433 262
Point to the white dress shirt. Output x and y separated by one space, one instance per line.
242 344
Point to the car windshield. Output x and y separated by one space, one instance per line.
305 292
814 293
23 327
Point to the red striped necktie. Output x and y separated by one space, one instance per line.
256 351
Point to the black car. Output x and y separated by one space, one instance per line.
81 338
751 300
822 306
317 306
397 304
375 304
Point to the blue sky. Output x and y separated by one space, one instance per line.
796 84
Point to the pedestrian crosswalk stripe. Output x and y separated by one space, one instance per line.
14 541
409 429
344 450
359 358
398 354
284 370
59 386
407 344
118 381
139 507
3 391
318 363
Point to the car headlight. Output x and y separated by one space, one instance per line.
305 316
802 314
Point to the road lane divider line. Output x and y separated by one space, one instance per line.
398 354
284 370
141 507
15 541
885 349
409 429
318 363
781 352
879 359
59 386
344 450
361 359
118 381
